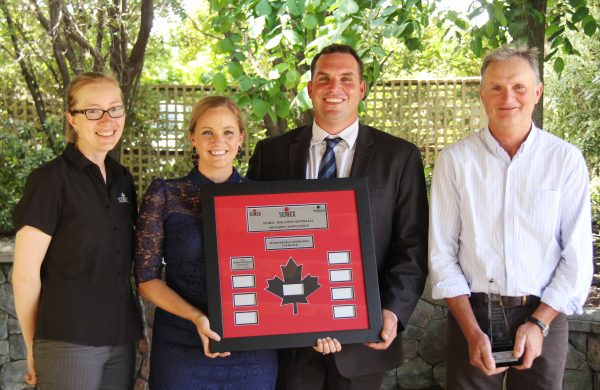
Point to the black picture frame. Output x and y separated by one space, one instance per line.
359 186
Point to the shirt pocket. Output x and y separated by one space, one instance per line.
544 210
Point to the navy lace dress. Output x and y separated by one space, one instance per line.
170 229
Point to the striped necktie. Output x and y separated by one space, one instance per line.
328 167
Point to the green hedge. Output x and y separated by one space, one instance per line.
22 148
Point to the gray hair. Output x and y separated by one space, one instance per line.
529 54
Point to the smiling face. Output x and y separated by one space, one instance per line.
96 138
509 93
217 137
336 91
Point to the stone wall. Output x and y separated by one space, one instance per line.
12 348
424 366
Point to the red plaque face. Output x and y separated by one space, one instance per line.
290 266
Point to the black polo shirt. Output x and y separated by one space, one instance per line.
86 295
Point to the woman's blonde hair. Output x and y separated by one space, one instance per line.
80 81
209 102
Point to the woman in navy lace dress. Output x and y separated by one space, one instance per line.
170 229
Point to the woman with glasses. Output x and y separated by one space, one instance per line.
169 234
74 250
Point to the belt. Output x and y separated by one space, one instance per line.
483 298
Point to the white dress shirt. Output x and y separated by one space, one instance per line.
344 150
512 227
344 153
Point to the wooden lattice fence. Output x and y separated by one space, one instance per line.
430 113
156 145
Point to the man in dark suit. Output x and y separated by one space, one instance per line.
399 212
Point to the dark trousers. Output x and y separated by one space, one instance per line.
310 370
65 366
547 370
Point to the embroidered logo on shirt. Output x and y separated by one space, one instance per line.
123 198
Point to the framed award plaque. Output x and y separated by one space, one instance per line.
289 262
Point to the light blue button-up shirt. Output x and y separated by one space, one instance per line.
512 227
344 151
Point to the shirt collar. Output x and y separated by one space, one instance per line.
530 138
75 157
495 147
199 179
349 134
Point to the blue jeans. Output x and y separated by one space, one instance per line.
66 366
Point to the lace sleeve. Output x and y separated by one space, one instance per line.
149 240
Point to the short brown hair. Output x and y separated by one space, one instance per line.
80 81
337 48
529 54
209 102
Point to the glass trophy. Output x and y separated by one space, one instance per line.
500 335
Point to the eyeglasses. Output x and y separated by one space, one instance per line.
95 114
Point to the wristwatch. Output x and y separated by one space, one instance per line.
545 328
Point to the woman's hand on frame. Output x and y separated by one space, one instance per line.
206 334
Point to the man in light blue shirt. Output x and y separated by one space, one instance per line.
510 223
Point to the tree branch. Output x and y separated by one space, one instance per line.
27 71
200 30
250 56
40 15
135 62
55 23
98 61
73 32
116 62
6 49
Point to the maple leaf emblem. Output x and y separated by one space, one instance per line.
286 209
293 289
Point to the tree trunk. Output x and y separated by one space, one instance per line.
71 48
55 22
536 38
306 118
29 76
130 71
272 127
135 62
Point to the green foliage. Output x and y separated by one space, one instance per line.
436 58
595 195
267 46
51 41
23 149
572 108
520 21
179 51
572 105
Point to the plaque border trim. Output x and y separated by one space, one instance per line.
365 231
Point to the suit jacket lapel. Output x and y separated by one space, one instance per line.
363 152
298 156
